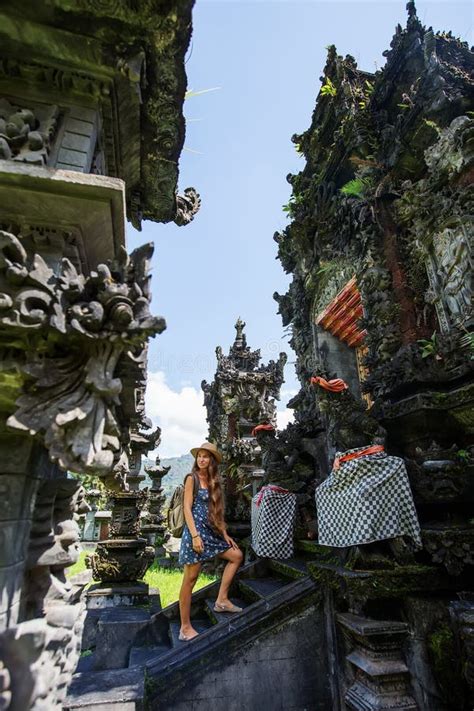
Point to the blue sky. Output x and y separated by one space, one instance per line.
267 58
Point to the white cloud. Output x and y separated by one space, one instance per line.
180 414
284 417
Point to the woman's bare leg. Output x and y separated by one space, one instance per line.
234 558
191 573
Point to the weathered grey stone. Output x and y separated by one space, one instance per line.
116 631
101 595
282 669
92 206
121 690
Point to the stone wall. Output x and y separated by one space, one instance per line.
282 670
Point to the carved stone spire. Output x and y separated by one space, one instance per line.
240 340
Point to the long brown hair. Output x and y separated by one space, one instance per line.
216 499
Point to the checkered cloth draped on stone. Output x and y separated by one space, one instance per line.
367 499
273 523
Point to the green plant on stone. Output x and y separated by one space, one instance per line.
356 188
463 455
466 342
433 125
292 204
429 347
369 87
328 88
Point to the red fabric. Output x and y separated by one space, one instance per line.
334 386
270 487
373 449
259 428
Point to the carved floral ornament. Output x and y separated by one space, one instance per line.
26 133
74 328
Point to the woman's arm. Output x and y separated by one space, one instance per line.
188 514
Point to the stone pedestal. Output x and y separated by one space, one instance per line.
102 596
126 599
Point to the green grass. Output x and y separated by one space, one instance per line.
168 581
79 566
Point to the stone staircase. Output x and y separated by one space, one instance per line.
269 592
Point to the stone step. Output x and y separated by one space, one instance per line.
291 567
139 656
200 625
275 598
312 549
117 630
122 689
219 618
260 588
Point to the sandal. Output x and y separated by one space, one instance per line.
182 637
226 607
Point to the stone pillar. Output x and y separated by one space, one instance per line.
18 486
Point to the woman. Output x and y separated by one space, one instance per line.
205 535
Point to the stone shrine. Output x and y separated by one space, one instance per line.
241 397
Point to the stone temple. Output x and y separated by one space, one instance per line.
379 251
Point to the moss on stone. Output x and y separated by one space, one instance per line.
10 386
371 584
446 666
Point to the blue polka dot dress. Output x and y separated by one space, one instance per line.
213 542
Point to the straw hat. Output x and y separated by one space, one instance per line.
210 447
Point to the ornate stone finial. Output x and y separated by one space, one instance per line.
239 338
413 21
187 205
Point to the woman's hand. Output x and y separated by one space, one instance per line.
198 545
230 541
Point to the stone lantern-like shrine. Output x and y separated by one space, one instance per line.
241 396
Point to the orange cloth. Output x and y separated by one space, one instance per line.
334 386
373 449
259 428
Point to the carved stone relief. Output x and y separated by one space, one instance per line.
26 134
70 399
39 655
450 273
187 205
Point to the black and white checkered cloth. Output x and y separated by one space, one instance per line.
367 499
273 522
